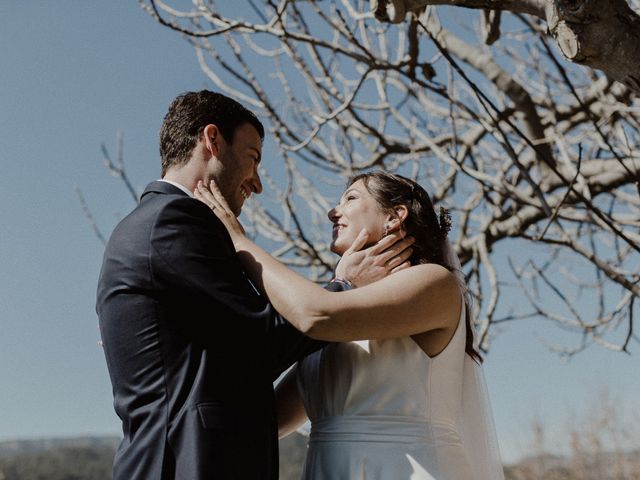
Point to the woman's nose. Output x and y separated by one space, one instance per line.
333 214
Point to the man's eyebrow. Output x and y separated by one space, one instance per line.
257 153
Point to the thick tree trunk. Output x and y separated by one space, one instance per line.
600 34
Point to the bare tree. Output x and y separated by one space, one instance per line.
536 157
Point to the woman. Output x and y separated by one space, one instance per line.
401 396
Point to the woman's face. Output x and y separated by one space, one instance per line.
357 210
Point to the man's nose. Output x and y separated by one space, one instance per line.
256 183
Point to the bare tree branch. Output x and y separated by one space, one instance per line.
533 156
600 34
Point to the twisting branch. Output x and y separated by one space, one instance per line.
116 168
89 216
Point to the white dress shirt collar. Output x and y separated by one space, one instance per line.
178 185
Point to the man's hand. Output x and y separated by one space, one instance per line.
362 267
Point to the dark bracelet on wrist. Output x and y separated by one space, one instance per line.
342 281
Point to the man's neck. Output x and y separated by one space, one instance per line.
187 181
187 174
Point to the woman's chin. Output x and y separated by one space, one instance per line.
336 248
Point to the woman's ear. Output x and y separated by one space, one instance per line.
396 218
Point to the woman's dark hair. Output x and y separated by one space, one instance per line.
189 113
429 230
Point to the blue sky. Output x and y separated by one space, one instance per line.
71 75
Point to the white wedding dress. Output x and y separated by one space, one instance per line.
384 410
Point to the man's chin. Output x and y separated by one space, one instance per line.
237 208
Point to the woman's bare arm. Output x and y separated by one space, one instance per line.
414 300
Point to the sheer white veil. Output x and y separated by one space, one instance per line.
477 428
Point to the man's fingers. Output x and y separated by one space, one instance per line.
404 243
359 242
396 260
402 266
396 249
384 243
403 256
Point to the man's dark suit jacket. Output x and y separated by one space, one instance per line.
192 349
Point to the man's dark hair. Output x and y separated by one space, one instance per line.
189 113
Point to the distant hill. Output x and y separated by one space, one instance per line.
602 466
83 458
90 458
33 446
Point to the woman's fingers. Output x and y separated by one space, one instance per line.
222 202
205 192
213 186
215 191
212 197
204 197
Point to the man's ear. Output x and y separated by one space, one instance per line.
397 217
212 139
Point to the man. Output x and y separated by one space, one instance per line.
191 347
